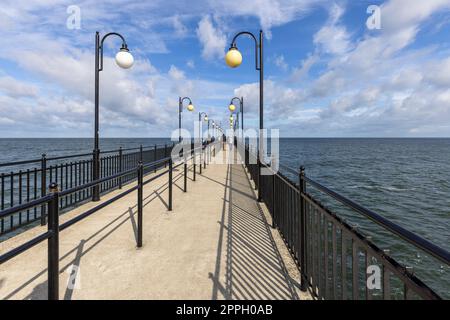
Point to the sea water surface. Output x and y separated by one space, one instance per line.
404 180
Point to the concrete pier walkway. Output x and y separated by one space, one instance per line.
217 243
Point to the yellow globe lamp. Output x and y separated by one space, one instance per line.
233 58
206 118
231 107
190 107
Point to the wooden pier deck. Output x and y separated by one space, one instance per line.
217 243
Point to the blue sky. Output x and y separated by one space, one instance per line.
326 73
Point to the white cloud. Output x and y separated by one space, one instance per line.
17 89
190 64
333 37
180 29
280 62
305 65
271 13
212 39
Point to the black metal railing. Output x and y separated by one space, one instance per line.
52 203
335 259
24 181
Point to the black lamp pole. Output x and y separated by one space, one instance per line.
180 110
259 65
98 68
200 114
241 110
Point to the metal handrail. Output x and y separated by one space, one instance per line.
425 245
52 234
14 163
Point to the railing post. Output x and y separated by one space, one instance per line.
120 166
141 153
53 244
140 174
154 155
43 186
170 184
303 246
185 175
165 154
205 155
273 193
96 174
194 165
200 164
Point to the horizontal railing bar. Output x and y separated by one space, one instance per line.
368 245
155 163
24 247
410 237
95 209
69 156
96 182
36 202
14 163
22 207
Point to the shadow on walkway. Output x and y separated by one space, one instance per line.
254 268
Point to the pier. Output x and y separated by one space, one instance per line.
193 228
216 243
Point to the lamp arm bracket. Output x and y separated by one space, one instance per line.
257 46
124 45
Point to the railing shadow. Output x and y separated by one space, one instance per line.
254 268
39 292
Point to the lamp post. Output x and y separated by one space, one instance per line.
190 107
205 117
232 107
125 60
233 59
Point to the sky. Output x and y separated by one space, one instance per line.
328 72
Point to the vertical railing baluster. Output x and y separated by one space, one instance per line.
344 264
35 191
165 154
43 186
20 195
368 259
120 166
66 170
2 203
71 181
325 257
11 199
303 230
319 255
334 257
154 155
355 270
386 283
28 193
314 250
